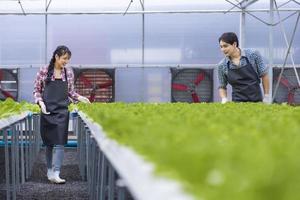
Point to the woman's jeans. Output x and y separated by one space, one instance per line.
54 159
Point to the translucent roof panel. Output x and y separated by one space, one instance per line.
33 6
67 6
9 6
262 4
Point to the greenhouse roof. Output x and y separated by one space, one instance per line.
136 6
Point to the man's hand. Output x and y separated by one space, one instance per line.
43 108
224 100
266 99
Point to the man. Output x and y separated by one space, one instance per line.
243 70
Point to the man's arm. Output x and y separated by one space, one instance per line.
266 87
266 83
223 95
222 81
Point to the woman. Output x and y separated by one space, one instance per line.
53 87
243 70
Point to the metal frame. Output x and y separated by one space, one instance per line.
95 168
289 45
240 5
22 143
224 11
114 171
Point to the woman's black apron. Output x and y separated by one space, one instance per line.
245 83
54 127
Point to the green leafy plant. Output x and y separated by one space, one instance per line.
241 151
10 107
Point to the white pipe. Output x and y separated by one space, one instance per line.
242 29
146 12
271 57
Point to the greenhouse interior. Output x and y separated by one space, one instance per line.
149 99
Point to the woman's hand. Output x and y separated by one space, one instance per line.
43 108
83 99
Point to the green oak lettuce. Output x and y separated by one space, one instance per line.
236 151
10 107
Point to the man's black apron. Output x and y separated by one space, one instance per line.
245 83
54 127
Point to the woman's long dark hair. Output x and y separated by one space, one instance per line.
60 51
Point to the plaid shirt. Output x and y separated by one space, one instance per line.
39 84
254 58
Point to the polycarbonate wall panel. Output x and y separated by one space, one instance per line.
257 37
97 39
22 40
280 47
143 84
27 76
186 38
257 34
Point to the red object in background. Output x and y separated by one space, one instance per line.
291 89
95 84
191 87
94 87
6 94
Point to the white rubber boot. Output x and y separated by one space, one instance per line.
56 179
50 174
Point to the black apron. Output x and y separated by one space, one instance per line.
54 127
245 83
